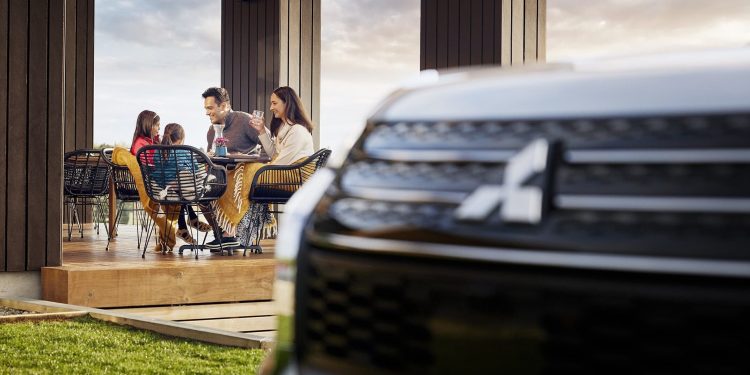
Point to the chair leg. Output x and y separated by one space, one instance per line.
70 220
120 206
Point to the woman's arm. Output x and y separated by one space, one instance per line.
267 143
298 141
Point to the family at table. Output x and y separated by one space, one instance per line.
287 140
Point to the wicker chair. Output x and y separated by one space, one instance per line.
176 176
85 183
127 199
274 185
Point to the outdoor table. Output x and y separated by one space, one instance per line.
231 160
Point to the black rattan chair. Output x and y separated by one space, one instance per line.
127 199
176 176
274 185
85 183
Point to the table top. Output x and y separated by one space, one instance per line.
240 158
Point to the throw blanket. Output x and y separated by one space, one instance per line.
122 156
234 204
229 209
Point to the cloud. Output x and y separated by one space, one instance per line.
615 27
158 23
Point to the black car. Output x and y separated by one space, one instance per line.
569 218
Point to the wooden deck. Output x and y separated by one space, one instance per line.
91 276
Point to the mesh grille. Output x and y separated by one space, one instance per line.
430 317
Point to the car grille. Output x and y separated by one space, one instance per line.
656 175
377 313
655 188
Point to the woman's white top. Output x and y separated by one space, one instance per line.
292 143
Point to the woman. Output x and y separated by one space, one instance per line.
171 168
146 132
291 129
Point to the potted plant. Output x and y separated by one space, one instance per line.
220 146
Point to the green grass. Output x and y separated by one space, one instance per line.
86 345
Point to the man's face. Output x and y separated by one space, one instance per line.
216 112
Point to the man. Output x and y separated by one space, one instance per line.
241 137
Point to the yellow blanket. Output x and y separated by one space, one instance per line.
122 156
228 209
233 205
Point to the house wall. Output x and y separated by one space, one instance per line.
267 44
457 33
46 106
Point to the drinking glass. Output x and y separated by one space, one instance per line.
258 114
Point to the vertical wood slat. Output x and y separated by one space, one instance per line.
70 74
89 105
294 43
36 161
228 49
441 39
283 43
464 33
235 93
80 78
315 110
541 30
530 29
517 29
422 34
18 14
271 30
55 128
453 33
243 100
305 84
260 69
431 24
488 31
476 32
506 34
252 64
3 126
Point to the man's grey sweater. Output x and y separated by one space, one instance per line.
240 136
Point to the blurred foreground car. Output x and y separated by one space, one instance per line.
587 218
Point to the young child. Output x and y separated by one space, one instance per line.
174 165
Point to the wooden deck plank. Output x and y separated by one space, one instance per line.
194 312
91 276
259 323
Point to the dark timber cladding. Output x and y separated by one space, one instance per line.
267 44
46 83
482 32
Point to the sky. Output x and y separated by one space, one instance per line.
161 55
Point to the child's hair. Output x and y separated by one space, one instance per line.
144 123
173 133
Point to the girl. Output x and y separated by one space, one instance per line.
146 132
171 168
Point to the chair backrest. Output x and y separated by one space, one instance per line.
179 174
277 183
86 173
125 188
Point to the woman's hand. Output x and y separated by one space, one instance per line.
257 124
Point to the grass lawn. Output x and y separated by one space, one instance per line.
86 345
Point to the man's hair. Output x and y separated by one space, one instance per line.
220 94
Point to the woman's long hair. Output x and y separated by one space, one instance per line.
144 123
293 110
173 133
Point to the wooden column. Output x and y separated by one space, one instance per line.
482 32
32 111
267 44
